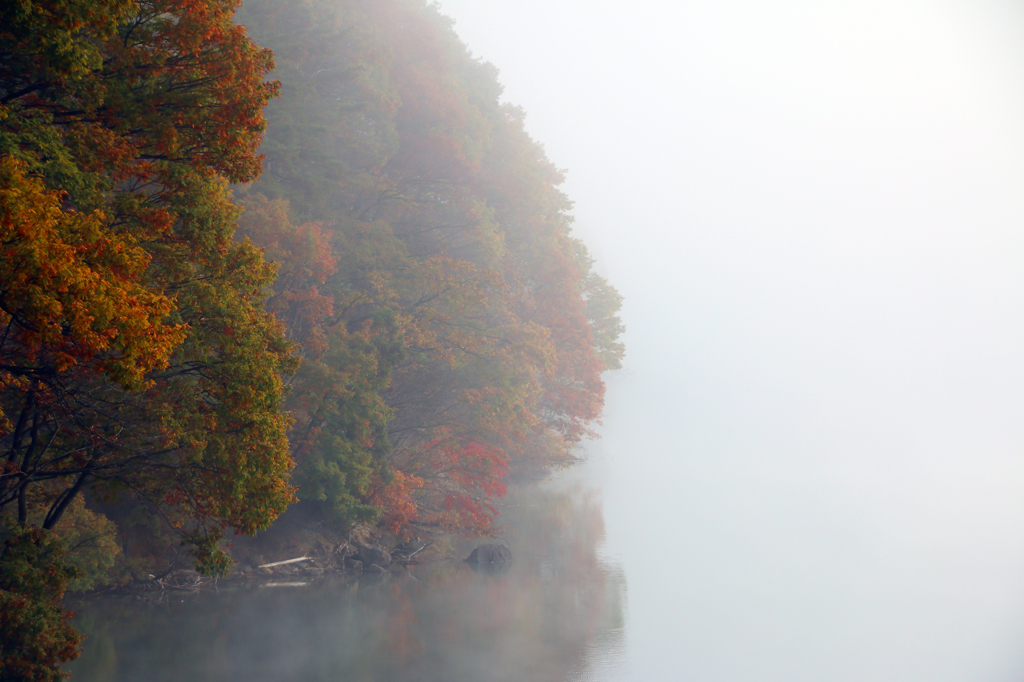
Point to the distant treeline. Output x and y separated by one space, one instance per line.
451 329
387 323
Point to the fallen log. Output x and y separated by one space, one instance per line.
286 561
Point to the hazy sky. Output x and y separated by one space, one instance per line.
815 211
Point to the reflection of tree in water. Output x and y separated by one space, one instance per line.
539 620
559 603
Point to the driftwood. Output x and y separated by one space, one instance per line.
409 558
286 561
184 588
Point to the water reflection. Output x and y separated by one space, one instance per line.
555 614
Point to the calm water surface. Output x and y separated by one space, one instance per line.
762 537
556 614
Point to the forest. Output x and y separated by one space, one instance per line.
291 253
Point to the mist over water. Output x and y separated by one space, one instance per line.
555 613
814 211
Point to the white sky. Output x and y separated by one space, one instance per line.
815 211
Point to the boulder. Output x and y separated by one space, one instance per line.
490 554
354 565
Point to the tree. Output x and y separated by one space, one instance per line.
137 354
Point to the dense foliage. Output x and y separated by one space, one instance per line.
35 631
453 331
136 357
387 324
136 352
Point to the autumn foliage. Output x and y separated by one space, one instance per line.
36 636
390 323
453 331
137 360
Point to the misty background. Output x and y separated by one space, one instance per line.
813 462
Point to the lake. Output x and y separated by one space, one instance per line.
557 613
713 535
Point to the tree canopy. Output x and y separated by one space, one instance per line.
389 323
136 356
453 331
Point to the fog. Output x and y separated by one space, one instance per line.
813 459
443 621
